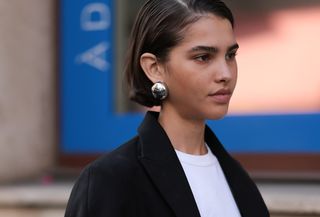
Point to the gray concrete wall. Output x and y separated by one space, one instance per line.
27 88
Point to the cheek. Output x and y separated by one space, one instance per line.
185 79
178 85
176 77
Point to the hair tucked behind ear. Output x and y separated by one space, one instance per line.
158 28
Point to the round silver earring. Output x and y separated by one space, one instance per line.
159 90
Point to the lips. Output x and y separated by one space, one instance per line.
221 96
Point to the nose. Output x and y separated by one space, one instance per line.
224 72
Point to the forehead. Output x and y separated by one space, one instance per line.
209 30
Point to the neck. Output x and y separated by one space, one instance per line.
185 134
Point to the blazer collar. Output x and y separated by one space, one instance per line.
156 146
158 157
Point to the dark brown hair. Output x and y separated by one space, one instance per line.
158 28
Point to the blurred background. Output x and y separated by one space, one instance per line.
61 90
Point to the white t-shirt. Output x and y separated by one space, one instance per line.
208 184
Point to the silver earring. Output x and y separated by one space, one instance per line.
159 90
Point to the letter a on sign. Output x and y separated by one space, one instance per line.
95 57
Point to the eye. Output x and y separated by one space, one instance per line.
203 58
231 55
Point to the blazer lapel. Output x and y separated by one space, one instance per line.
242 187
162 164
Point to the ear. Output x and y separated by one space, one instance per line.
151 67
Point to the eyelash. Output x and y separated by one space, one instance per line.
231 55
203 58
207 57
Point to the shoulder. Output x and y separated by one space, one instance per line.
109 178
120 162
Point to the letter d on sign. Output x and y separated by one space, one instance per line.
104 15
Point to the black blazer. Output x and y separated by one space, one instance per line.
144 178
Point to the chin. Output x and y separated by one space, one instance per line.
217 114
216 117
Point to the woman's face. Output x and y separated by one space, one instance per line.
201 72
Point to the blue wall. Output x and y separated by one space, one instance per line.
88 122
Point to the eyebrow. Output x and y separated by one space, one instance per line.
211 49
233 47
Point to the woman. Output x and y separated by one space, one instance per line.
182 58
